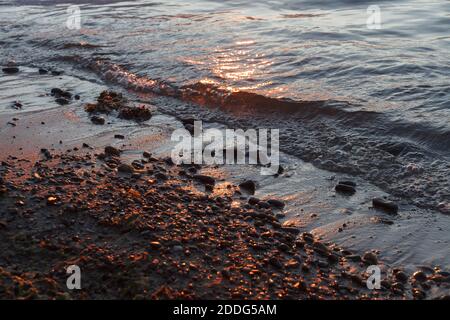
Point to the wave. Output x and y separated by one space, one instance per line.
242 102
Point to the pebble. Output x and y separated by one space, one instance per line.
249 186
320 248
46 153
51 200
62 101
401 276
343 188
347 182
385 205
125 168
97 120
253 200
419 276
205 179
370 258
291 230
10 70
111 151
276 203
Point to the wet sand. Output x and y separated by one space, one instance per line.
140 227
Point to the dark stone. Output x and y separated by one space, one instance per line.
46 153
125 168
343 188
385 205
348 183
97 120
57 92
10 70
276 203
249 186
292 230
62 101
205 179
111 151
43 71
135 113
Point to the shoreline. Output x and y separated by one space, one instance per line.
84 224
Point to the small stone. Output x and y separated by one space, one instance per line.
343 188
125 168
62 101
10 70
98 120
291 230
308 237
253 200
348 183
205 179
385 205
419 276
249 186
46 153
43 71
155 245
275 262
119 136
401 276
370 258
52 200
276 203
111 151
418 294
320 248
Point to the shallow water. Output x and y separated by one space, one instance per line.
369 102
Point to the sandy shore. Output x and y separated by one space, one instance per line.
140 231
102 197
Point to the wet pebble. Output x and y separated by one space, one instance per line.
385 205
10 70
205 179
370 258
97 120
249 186
276 203
111 151
125 168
